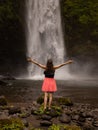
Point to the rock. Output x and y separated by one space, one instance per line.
75 117
45 123
81 119
3 83
4 115
46 117
89 119
35 111
25 123
8 76
24 112
65 118
3 101
14 110
95 123
24 115
95 113
68 112
53 113
88 126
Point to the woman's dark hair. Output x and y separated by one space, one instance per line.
49 64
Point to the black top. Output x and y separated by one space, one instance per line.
49 74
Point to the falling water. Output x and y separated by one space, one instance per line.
44 35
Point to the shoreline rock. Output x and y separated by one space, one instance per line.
32 115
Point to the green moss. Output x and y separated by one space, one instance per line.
35 129
23 115
57 109
40 100
64 101
40 110
11 124
3 101
71 127
64 127
54 127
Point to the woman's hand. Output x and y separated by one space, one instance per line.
70 61
29 59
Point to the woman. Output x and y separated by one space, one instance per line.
49 84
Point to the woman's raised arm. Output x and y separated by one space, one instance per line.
65 63
34 62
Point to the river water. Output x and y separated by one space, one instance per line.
24 91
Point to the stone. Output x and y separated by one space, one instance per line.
88 126
3 101
46 117
14 110
25 122
81 119
75 117
3 83
34 110
53 113
65 118
95 123
45 123
8 76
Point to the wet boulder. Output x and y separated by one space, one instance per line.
14 110
45 123
3 83
7 76
3 101
65 118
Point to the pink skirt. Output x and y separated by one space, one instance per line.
49 85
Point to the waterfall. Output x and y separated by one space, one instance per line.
44 35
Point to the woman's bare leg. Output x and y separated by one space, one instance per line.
45 100
50 99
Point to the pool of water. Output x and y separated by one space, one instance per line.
80 91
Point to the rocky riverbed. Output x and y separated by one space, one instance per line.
64 113
75 105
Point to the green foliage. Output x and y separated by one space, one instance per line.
80 20
82 11
40 99
8 13
54 127
64 101
71 127
35 129
40 111
65 127
60 127
11 124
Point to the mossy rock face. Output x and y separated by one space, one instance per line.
3 101
11 124
63 101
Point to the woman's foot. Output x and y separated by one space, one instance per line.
49 108
45 108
